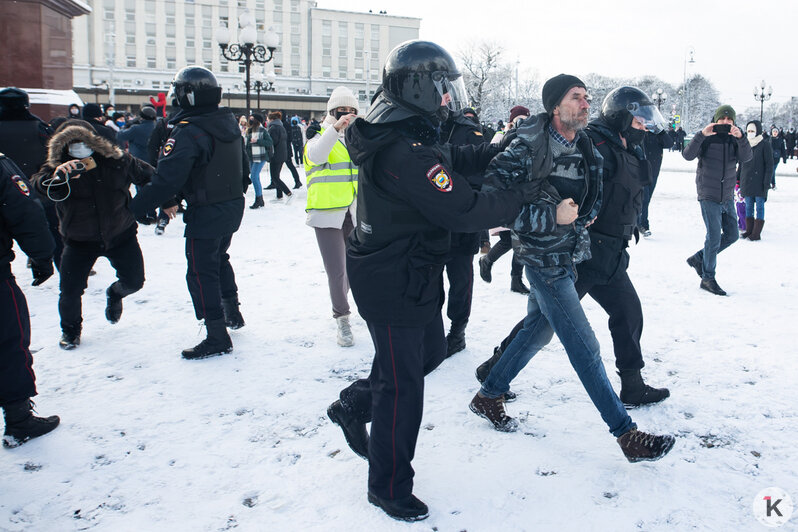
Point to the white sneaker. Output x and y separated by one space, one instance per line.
289 199
345 338
276 200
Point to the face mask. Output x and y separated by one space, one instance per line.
79 150
751 134
634 136
339 114
120 123
74 112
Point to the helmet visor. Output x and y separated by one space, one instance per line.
649 116
452 90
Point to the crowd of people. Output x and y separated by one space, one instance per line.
395 195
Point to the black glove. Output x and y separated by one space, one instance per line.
312 131
531 190
41 270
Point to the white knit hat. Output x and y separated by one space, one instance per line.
342 97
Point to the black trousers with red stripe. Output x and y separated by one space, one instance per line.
210 275
17 380
393 400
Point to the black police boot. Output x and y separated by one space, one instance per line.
483 370
232 316
217 343
355 432
635 392
485 266
405 509
517 285
711 286
455 340
113 307
696 262
22 425
70 338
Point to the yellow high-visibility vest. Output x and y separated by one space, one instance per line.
333 183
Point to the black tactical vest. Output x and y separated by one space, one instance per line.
622 199
221 179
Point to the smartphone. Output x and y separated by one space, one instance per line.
722 129
89 163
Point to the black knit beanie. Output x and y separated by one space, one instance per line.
556 88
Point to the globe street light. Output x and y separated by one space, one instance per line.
264 83
247 51
761 95
659 97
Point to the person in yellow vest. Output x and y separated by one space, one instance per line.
332 189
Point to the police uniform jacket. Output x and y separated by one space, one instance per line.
21 219
23 138
204 162
411 196
93 207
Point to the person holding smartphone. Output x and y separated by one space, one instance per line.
718 147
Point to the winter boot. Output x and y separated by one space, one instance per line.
455 340
344 335
297 184
757 232
517 285
485 265
405 509
232 316
22 425
160 226
696 262
493 411
635 392
258 203
749 227
113 307
355 432
710 285
70 338
483 370
217 342
638 446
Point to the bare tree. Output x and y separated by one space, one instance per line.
480 62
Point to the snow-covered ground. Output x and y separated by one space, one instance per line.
149 441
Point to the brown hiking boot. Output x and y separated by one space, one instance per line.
639 446
493 411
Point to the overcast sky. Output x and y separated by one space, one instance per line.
736 43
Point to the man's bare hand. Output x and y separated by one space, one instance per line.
707 131
171 212
567 212
735 132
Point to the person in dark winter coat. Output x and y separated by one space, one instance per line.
89 179
754 177
259 146
411 195
718 150
552 150
24 138
462 129
296 140
138 135
789 139
653 146
204 161
93 114
280 141
21 219
289 148
680 136
779 149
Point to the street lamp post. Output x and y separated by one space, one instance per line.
761 95
659 96
266 84
685 104
247 52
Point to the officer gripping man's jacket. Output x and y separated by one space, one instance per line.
204 162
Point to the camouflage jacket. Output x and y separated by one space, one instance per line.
541 242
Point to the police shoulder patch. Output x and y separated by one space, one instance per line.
23 187
168 147
439 178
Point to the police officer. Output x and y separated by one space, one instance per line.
204 162
411 195
21 219
626 116
461 129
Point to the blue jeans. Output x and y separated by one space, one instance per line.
720 219
554 307
254 176
760 207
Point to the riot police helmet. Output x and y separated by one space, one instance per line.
195 86
419 78
622 105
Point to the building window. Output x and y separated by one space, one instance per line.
326 28
130 38
294 5
359 31
325 72
358 73
326 52
295 39
131 61
278 17
361 95
150 62
295 18
342 73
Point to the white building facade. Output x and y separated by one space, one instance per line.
139 44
